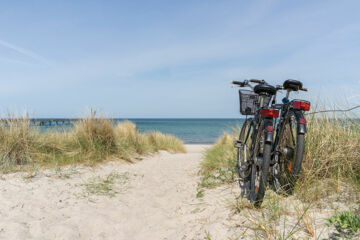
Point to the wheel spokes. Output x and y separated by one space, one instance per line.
287 156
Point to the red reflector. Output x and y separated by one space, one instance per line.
301 105
302 120
273 113
270 128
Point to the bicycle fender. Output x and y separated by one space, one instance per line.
269 137
301 128
269 130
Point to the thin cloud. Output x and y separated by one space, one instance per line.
25 52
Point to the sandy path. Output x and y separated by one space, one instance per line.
157 201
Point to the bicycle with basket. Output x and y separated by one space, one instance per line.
266 147
255 141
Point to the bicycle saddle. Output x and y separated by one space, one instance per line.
265 89
293 85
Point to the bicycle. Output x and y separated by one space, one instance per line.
254 146
288 147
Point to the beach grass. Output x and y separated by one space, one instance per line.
331 161
106 186
92 140
329 179
218 166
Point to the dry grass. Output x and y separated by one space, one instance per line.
332 157
330 176
94 135
93 140
165 142
107 186
280 218
218 165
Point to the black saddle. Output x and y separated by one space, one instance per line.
265 89
293 85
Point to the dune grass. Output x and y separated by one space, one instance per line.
106 186
92 140
218 166
330 175
332 157
331 160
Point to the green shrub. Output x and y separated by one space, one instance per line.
346 223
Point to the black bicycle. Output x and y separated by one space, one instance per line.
288 148
254 146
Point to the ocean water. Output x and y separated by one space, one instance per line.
191 131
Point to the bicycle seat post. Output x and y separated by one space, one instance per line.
288 93
261 103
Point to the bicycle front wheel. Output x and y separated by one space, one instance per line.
244 151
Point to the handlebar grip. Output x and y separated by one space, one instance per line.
257 81
304 89
238 83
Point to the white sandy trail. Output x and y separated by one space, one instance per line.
158 202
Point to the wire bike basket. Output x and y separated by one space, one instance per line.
249 102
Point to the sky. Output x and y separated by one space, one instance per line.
172 59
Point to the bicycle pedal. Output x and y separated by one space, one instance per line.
238 144
239 180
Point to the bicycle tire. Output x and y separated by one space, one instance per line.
260 174
290 168
263 181
245 138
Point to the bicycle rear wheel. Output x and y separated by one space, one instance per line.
260 168
259 178
291 148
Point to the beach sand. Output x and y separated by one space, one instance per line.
152 201
154 198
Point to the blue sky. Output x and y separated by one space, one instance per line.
171 58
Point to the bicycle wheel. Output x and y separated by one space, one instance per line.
291 148
244 150
260 169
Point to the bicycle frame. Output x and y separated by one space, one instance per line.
269 134
301 127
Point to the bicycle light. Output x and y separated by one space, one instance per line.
268 112
302 105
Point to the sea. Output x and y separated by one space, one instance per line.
191 131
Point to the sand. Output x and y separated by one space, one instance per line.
154 198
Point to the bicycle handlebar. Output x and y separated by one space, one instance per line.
241 84
257 81
246 82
